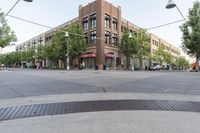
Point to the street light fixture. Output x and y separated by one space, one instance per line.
15 5
66 34
130 35
28 0
171 4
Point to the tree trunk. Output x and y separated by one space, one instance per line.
128 62
141 63
197 62
65 62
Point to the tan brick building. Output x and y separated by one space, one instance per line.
103 27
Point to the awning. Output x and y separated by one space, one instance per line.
110 55
88 55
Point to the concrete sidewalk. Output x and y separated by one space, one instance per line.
106 121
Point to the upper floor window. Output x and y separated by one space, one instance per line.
40 40
114 24
34 43
48 39
152 41
122 29
107 21
93 20
107 37
114 39
93 36
85 23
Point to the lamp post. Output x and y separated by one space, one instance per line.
15 5
132 63
115 61
21 55
171 4
67 54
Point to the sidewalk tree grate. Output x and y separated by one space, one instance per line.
26 111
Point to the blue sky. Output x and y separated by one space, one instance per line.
144 13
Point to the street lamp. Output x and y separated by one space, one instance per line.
130 35
22 50
67 54
15 5
115 60
171 4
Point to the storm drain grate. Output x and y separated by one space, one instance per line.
26 111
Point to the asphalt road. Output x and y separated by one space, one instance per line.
25 83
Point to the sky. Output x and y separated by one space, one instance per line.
143 13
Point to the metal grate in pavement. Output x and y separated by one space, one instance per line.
26 111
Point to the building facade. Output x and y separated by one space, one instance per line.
103 27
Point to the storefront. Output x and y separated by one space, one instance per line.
111 60
88 60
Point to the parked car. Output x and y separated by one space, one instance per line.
155 67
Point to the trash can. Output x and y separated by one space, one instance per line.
145 68
96 67
104 67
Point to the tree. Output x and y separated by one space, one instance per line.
10 59
74 45
59 40
168 57
182 63
2 59
6 34
191 32
51 52
40 53
29 54
159 55
143 45
76 42
128 47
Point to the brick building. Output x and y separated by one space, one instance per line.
103 27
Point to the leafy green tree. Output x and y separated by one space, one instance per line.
6 34
2 59
10 59
181 62
143 45
59 42
128 47
168 57
74 45
51 52
191 32
40 52
76 42
15 56
159 55
29 54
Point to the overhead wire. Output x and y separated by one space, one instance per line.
49 27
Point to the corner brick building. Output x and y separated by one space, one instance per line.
103 27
